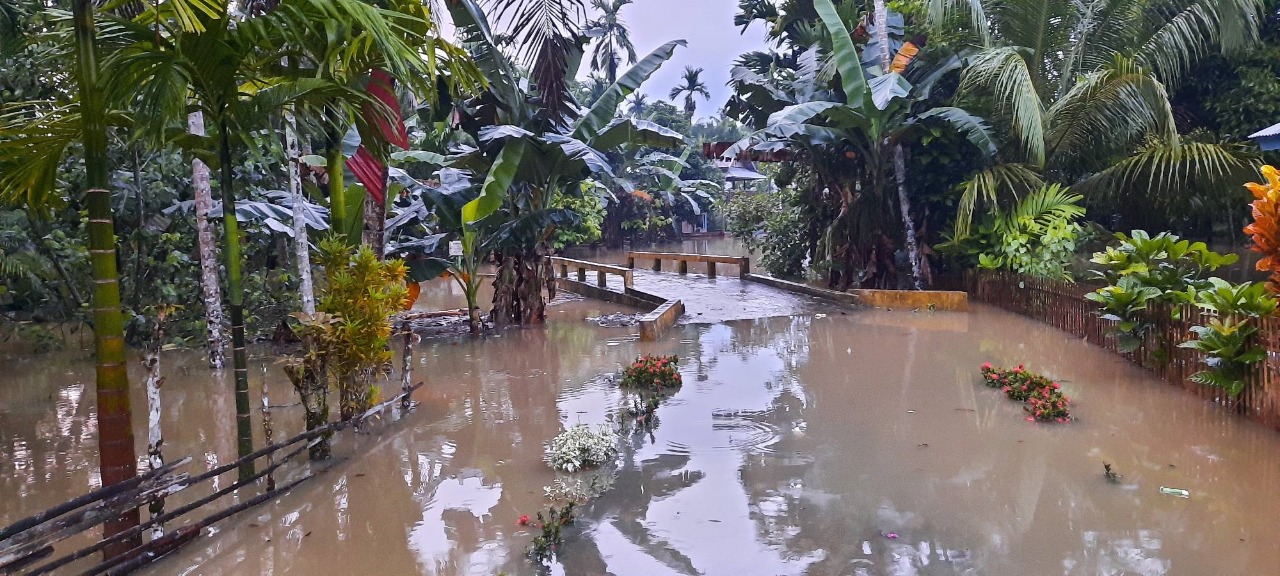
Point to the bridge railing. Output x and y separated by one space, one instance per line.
682 261
602 271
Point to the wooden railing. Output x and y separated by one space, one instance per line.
602 271
1063 306
682 261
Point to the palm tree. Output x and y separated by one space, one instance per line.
693 86
207 249
30 153
638 104
204 59
1083 89
611 38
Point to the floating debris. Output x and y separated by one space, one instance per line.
1175 492
615 320
1110 475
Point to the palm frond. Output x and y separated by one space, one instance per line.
1004 73
973 128
31 149
990 186
545 33
1122 101
1037 209
1174 180
939 11
1182 40
1103 29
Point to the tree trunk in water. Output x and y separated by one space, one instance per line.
235 293
308 380
116 456
517 290
301 243
909 225
155 437
208 250
612 225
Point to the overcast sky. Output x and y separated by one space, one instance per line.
707 25
714 43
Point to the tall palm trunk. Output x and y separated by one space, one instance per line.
116 455
899 161
235 295
301 244
374 234
335 164
208 250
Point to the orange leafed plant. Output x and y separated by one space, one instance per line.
1265 228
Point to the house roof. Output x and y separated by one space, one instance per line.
1267 138
741 174
1267 132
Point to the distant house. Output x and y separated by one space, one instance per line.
1267 138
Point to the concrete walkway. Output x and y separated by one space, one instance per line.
724 298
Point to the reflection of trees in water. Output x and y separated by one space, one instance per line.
625 507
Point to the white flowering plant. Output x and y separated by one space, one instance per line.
580 447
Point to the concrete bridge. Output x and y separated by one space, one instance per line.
724 290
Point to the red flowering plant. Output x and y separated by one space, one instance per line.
654 373
1043 397
1048 405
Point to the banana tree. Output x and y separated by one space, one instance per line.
852 134
547 154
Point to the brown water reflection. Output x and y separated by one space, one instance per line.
795 445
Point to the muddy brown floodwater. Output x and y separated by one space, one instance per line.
798 445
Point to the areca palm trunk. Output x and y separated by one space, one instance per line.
116 455
302 245
208 250
235 295
335 164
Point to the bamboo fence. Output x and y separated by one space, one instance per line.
1063 306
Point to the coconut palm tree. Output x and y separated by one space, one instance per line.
1082 88
612 39
692 86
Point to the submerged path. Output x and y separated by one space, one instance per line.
726 298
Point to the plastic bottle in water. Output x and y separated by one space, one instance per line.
1175 492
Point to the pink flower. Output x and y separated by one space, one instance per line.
1031 418
524 520
986 366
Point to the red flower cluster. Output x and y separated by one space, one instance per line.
652 372
1043 397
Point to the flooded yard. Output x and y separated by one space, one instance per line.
819 443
